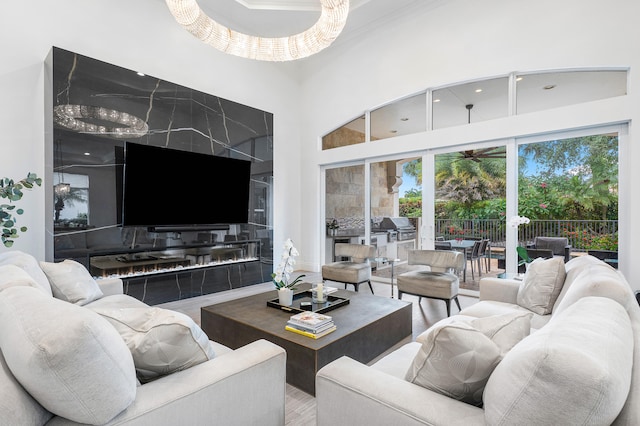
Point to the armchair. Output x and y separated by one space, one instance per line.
536 253
608 256
439 282
558 245
356 270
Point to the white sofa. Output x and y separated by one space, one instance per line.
77 352
579 364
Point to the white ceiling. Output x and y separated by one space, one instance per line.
279 18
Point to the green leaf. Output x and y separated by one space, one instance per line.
522 252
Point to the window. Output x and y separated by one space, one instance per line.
350 134
399 118
470 102
537 92
71 206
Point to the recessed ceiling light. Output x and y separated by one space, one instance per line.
393 131
436 100
549 87
141 74
519 78
87 153
404 119
478 90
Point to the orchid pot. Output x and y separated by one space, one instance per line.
285 296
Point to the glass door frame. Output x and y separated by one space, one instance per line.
426 234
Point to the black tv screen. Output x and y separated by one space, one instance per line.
165 187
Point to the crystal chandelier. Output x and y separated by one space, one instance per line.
61 189
73 117
333 16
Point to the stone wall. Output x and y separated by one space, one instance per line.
345 191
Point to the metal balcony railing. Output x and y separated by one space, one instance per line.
582 234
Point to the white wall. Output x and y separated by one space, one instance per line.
431 44
444 42
140 35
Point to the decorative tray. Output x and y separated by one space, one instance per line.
331 302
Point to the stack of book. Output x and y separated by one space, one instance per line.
311 324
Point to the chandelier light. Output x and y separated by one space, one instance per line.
74 117
62 189
333 16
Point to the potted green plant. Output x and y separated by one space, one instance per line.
13 191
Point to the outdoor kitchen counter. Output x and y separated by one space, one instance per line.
345 233
353 236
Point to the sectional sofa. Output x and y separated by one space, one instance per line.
560 347
73 351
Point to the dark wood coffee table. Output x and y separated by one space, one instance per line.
367 326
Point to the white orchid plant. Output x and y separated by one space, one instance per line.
516 221
282 275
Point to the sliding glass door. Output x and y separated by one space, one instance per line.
566 184
344 207
568 188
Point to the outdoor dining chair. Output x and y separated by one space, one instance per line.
473 256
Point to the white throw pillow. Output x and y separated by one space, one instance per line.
161 341
12 275
541 285
30 265
455 360
71 360
458 356
504 330
70 281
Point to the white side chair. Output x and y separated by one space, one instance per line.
440 281
356 270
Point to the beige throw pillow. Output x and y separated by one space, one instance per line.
457 358
70 281
161 341
541 285
68 358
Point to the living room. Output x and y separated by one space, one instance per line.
424 45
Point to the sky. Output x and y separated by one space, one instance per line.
408 182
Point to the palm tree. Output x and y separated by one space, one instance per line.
74 195
467 180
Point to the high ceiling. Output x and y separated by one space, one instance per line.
279 18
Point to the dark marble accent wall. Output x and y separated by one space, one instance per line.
86 220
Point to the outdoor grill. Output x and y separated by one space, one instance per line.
399 228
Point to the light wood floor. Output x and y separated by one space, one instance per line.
300 407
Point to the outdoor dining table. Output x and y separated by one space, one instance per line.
463 246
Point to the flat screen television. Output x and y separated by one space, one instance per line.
169 188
